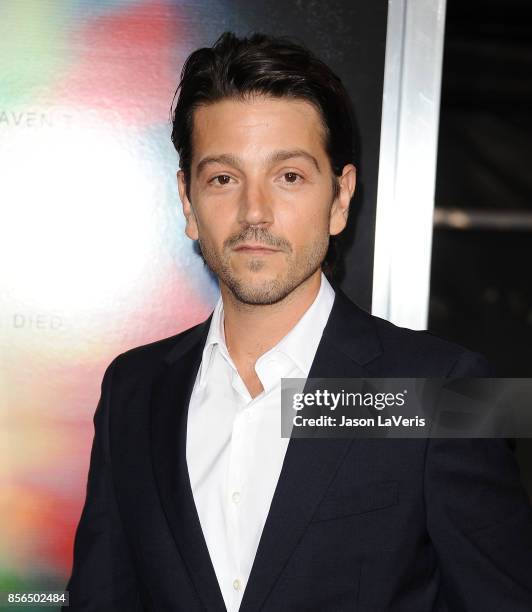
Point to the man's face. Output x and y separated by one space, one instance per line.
261 198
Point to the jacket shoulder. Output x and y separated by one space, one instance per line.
148 357
429 354
387 349
424 340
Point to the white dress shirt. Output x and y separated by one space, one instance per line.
234 447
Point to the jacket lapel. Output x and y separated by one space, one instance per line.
348 342
169 408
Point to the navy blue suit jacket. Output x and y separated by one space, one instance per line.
366 525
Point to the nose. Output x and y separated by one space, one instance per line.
255 206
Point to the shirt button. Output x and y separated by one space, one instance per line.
236 497
249 415
236 584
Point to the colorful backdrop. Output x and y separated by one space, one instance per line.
93 255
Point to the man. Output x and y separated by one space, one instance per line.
194 501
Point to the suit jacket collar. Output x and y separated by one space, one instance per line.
350 329
349 342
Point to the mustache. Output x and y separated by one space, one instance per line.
258 235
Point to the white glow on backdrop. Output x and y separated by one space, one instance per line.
78 221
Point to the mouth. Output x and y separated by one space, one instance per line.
256 249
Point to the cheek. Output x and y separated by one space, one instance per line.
212 227
306 225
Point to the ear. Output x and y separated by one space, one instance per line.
340 205
191 227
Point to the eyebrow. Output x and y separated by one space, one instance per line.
272 158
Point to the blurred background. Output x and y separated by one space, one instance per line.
93 257
481 273
481 278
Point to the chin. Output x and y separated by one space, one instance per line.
258 292
260 289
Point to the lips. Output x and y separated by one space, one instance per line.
255 248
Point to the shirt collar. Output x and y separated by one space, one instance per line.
299 345
301 342
215 337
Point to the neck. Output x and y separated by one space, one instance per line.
252 330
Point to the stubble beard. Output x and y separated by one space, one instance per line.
298 269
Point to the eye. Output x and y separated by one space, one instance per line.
220 179
292 177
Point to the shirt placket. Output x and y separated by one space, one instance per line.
235 490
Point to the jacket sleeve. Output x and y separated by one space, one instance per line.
479 517
103 576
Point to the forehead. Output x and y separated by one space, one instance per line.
257 124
